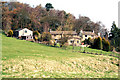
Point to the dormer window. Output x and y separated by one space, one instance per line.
25 31
85 35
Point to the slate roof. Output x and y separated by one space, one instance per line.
21 29
63 32
88 33
74 38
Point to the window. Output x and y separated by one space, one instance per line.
55 35
85 35
25 31
72 41
77 41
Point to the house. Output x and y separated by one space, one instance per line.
25 34
73 38
86 34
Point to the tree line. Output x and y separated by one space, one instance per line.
40 19
17 15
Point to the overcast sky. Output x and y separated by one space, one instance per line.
105 11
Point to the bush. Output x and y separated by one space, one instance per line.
10 33
63 40
46 36
65 45
52 42
111 48
118 49
36 33
86 41
97 43
45 42
106 44
57 44
90 41
36 38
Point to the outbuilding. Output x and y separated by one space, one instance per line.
25 34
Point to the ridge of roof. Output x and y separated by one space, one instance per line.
21 29
88 33
63 32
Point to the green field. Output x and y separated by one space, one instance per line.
24 59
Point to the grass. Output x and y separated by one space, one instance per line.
90 50
24 59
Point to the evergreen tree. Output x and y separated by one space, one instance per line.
48 6
106 44
98 43
114 36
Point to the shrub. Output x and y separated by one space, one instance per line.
111 48
65 45
97 43
36 33
118 49
86 41
45 42
46 36
57 44
63 40
106 44
52 42
36 38
90 41
10 33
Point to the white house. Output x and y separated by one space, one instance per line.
24 33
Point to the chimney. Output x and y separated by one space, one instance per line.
81 31
98 34
50 30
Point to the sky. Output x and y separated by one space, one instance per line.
105 11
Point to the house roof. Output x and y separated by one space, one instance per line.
21 29
88 33
74 38
63 32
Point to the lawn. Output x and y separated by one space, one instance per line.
24 59
93 51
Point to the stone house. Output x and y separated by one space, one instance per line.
73 38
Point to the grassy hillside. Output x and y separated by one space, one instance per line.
22 59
